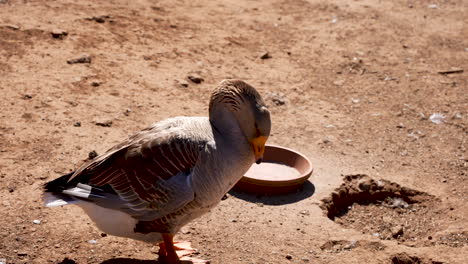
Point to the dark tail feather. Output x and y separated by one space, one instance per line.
53 195
59 184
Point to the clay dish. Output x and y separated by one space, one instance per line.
282 171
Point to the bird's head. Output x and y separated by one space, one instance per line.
244 103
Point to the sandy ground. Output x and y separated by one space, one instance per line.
351 84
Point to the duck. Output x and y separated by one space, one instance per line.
161 178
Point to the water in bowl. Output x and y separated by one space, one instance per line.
272 172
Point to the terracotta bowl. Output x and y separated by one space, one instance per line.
282 171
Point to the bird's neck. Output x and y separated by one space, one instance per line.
227 159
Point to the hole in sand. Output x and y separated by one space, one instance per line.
385 210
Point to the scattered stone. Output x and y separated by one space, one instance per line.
105 123
82 59
433 6
288 257
92 241
99 19
127 111
437 118
451 71
103 234
195 79
351 245
37 222
365 184
59 34
182 83
265 55
404 258
77 124
185 230
93 154
27 96
13 27
457 115
397 231
233 220
95 83
339 245
277 98
304 212
339 82
390 78
399 203
22 254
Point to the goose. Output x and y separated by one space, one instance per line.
161 178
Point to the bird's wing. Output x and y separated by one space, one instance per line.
148 176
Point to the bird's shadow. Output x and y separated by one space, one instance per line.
138 261
125 261
130 261
305 191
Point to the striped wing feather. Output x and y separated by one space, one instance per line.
149 174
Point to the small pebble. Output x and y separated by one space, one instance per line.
437 118
95 83
99 19
397 231
92 155
105 123
288 257
265 55
77 124
92 241
182 83
59 34
304 212
14 27
81 59
37 222
195 79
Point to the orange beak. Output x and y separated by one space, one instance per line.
258 147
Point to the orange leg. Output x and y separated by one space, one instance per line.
181 251
167 250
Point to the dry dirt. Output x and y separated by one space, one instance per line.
351 84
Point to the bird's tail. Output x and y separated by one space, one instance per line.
53 195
